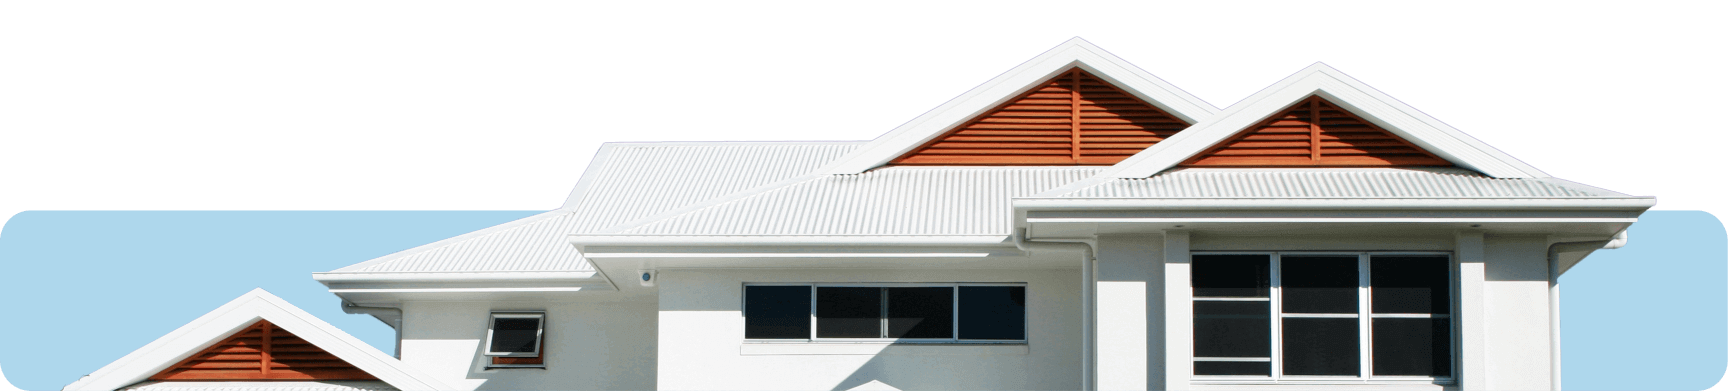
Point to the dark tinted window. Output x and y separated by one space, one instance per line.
1232 329
1319 284
920 312
1238 368
515 335
1412 347
848 312
1231 275
1410 284
777 312
1321 346
993 312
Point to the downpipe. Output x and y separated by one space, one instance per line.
1554 251
390 316
1087 278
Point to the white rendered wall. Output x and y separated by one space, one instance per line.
702 338
1516 302
589 345
1130 294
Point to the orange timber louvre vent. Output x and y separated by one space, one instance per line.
1072 119
1315 133
263 352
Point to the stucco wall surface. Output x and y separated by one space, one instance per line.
1516 300
702 346
589 345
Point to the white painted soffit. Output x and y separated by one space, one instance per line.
1319 79
1075 52
243 311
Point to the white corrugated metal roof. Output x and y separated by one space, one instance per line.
1334 183
327 385
885 201
626 181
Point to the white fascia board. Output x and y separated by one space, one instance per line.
1386 219
1319 79
1074 52
249 308
1626 203
583 241
328 277
566 289
639 255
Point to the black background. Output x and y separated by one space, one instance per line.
498 113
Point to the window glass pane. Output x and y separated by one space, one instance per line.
1231 275
1237 368
515 335
1412 347
1410 284
777 312
1321 346
993 312
1232 329
1319 284
848 312
921 312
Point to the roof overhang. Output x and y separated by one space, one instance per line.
1585 217
389 289
626 255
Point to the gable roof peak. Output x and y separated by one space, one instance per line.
1073 53
235 316
1319 79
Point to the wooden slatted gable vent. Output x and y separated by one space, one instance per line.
1315 133
263 352
1074 118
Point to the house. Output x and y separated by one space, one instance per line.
1075 223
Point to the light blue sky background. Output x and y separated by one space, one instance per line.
85 288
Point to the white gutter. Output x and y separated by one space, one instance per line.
388 315
581 240
1086 300
1335 203
453 276
1554 251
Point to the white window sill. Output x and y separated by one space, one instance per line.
515 366
879 348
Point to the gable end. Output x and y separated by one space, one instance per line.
1315 133
263 352
1074 118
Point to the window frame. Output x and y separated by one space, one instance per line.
539 334
954 331
1364 315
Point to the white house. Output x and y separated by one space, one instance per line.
1075 223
